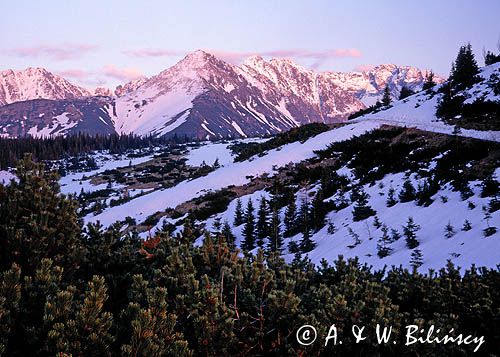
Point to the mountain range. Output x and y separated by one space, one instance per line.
201 96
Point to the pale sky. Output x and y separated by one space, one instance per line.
108 42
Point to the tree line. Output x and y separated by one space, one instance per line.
59 147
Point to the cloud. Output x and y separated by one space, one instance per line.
239 56
75 73
364 67
60 52
151 52
101 77
122 74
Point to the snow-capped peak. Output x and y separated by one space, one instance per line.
34 83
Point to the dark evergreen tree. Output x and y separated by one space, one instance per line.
383 248
361 209
417 259
263 229
376 222
331 227
306 243
249 229
405 92
275 239
463 75
491 58
410 233
408 193
319 210
391 197
291 219
227 233
489 230
465 69
354 235
429 81
449 231
395 235
467 226
386 98
239 216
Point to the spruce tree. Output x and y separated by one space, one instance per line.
275 239
239 218
405 92
262 222
354 235
408 193
391 197
416 260
386 98
429 81
306 243
291 218
395 235
489 230
467 226
410 233
319 210
227 233
465 69
491 58
249 229
383 248
449 231
361 209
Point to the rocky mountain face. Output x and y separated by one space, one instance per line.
129 87
36 83
205 97
45 118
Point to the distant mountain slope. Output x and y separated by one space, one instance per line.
205 97
36 83
44 117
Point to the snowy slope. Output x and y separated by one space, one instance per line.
73 183
419 110
237 173
463 249
209 153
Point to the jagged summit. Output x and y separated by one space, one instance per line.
34 83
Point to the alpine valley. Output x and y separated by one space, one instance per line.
200 97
